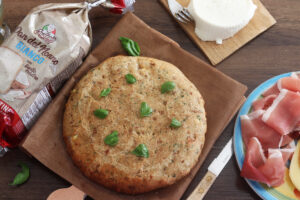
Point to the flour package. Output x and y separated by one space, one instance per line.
40 55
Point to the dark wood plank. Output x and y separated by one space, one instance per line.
274 52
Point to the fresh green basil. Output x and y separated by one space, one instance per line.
167 86
101 113
105 92
141 151
112 139
145 110
130 46
175 123
130 78
22 176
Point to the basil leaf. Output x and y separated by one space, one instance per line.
130 46
145 110
141 151
105 92
112 139
175 123
130 78
167 86
101 113
136 47
22 176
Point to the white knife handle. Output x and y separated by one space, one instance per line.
203 187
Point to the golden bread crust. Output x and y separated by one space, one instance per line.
172 152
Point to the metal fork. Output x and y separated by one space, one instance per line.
179 12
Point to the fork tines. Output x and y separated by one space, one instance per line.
183 15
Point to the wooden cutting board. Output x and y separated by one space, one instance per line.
216 53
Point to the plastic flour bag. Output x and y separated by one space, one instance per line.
40 55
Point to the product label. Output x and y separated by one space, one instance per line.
42 49
12 129
38 58
41 101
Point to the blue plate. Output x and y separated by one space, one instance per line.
261 189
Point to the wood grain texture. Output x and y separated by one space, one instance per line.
203 187
274 52
216 53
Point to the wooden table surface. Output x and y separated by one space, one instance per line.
274 52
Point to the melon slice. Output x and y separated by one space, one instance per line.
295 168
287 188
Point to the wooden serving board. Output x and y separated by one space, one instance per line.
216 53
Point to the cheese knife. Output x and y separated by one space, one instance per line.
213 172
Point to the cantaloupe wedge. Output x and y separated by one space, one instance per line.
295 168
287 188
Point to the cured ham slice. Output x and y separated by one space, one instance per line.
272 90
263 103
286 152
254 158
289 83
295 135
259 168
274 168
297 127
284 114
295 75
270 130
253 126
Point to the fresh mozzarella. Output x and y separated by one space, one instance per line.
217 20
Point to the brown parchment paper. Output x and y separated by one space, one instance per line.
223 97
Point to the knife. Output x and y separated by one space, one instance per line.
213 172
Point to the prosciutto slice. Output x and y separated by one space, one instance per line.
284 114
297 127
295 135
254 158
263 103
253 126
259 168
286 152
274 168
270 131
289 83
272 90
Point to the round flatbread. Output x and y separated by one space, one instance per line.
173 152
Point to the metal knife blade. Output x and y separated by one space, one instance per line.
220 162
214 170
